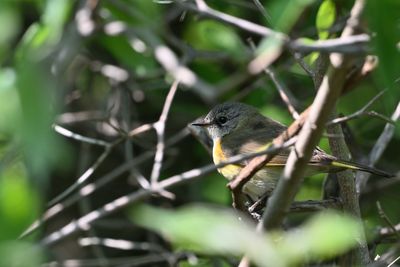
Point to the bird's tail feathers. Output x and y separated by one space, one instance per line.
360 167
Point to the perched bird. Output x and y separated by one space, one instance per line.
236 128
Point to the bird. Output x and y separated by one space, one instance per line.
236 129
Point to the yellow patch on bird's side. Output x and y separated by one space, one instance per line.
228 171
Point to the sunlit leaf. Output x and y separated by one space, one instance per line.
325 18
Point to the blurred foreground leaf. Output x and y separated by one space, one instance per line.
19 254
219 231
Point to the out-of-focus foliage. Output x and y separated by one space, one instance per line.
218 231
95 68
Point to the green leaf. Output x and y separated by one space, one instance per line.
10 23
141 63
284 14
219 231
55 15
383 18
20 254
324 236
42 147
19 204
215 36
209 230
325 18
9 102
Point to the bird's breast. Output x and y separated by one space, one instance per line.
229 171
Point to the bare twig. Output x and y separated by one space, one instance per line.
315 205
362 111
84 223
304 206
286 96
350 44
384 217
262 10
204 9
159 126
67 133
85 176
321 108
378 149
119 244
90 188
389 231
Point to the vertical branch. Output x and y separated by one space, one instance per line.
159 126
347 193
309 136
339 149
323 105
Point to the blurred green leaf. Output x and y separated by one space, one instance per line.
20 254
325 18
209 230
19 204
325 235
284 14
9 102
142 64
10 23
215 36
384 20
215 231
41 145
142 13
55 16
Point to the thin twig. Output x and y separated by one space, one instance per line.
378 149
90 188
308 138
351 44
119 244
159 126
84 177
358 113
383 215
84 223
286 96
67 133
262 10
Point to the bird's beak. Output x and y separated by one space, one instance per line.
202 124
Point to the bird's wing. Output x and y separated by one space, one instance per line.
260 140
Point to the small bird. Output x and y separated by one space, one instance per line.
237 128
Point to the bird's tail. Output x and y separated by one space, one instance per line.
360 167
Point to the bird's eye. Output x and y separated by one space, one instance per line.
221 120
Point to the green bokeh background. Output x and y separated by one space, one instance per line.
49 69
